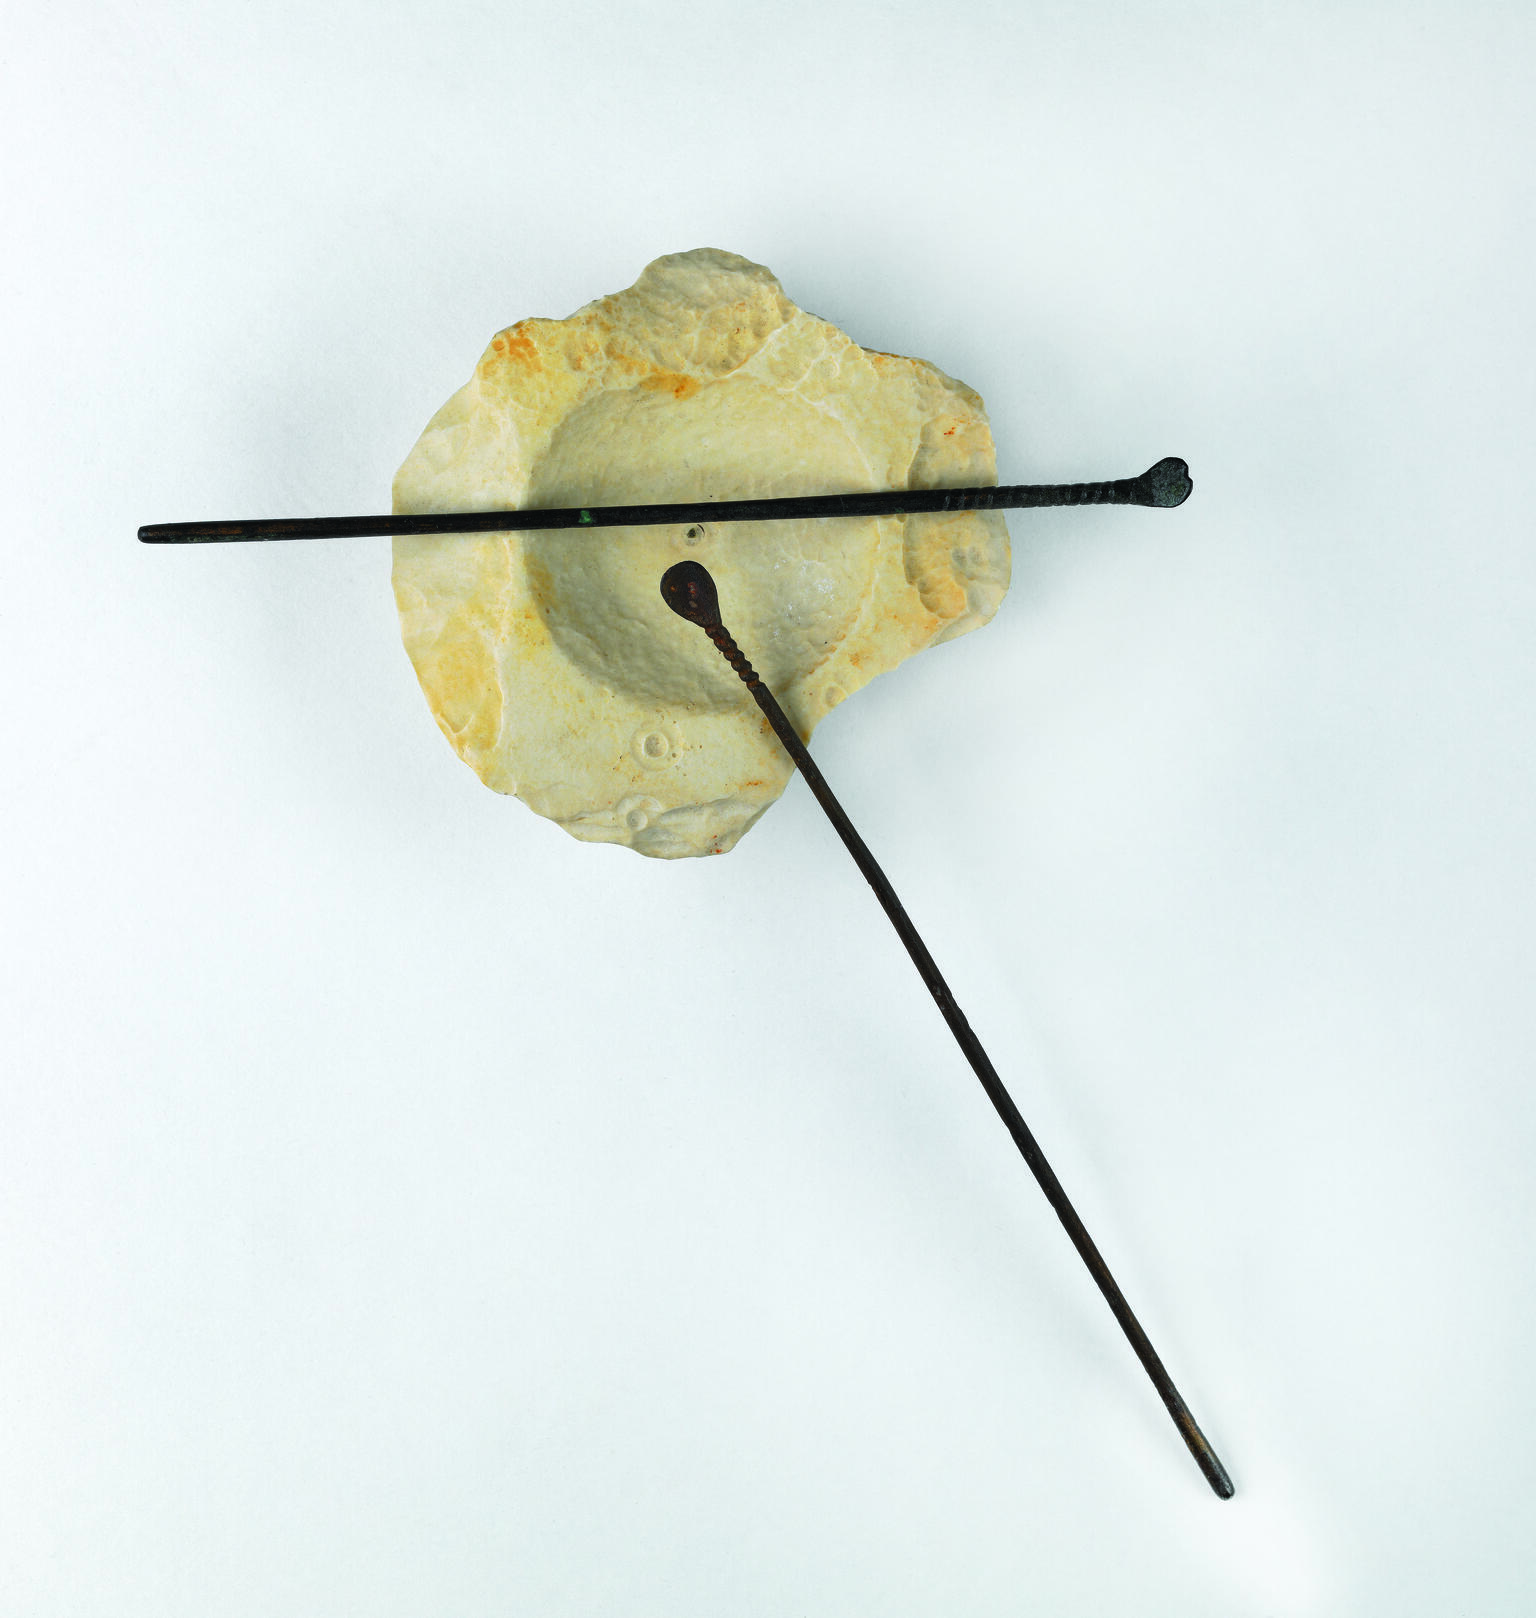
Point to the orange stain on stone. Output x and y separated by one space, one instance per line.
517 347
680 387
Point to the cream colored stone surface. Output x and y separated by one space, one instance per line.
551 662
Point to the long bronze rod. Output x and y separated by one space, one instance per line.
1166 484
690 592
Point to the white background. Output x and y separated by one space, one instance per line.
405 1209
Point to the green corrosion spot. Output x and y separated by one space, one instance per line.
585 519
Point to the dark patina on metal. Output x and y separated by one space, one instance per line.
689 590
1166 484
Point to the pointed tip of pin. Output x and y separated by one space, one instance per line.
1210 1465
1221 1485
689 591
